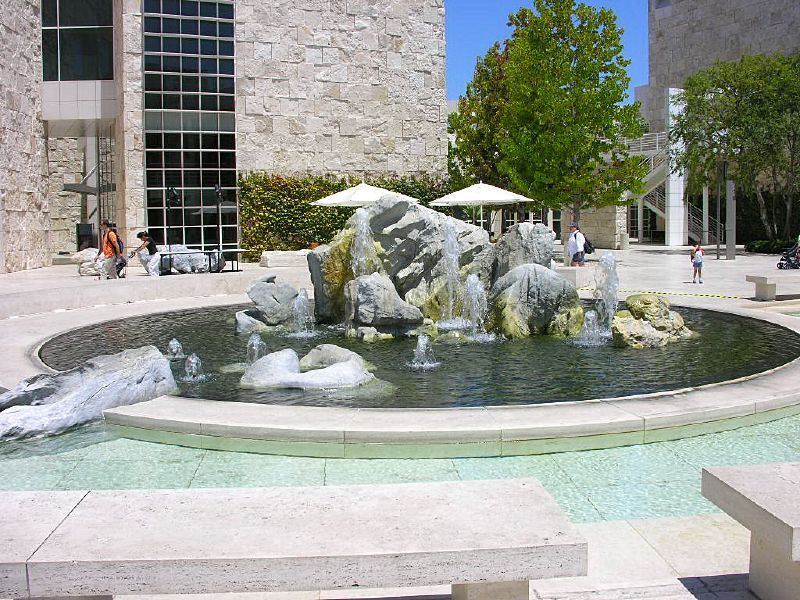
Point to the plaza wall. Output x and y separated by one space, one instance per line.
65 165
24 210
689 35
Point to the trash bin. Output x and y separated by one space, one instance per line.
84 236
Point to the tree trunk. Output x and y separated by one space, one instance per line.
576 210
787 222
762 212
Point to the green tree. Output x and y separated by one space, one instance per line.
475 155
564 123
746 113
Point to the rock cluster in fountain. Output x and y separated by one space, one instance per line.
647 323
417 265
274 306
49 404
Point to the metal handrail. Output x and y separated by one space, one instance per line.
696 225
648 144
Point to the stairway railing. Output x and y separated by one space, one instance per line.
696 226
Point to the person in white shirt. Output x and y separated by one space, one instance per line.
575 246
697 263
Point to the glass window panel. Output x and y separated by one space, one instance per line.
227 122
170 25
208 9
155 217
172 83
192 216
228 233
210 141
152 101
172 64
225 11
171 7
227 160
227 141
208 84
152 6
208 28
190 83
189 46
208 102
153 140
208 47
208 65
155 198
193 236
226 85
191 197
225 29
211 160
152 43
50 54
189 8
189 64
152 120
86 54
172 102
172 141
209 197
152 62
172 159
152 24
189 27
191 178
153 160
191 121
157 235
227 103
226 48
225 66
152 83
172 121
210 179
172 44
86 13
49 13
155 179
191 102
172 178
191 140
191 160
210 233
227 178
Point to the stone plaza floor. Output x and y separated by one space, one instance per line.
651 533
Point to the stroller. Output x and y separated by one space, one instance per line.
790 259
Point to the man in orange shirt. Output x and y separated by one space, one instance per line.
110 248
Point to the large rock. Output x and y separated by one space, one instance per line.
282 370
524 243
247 321
49 404
274 301
372 300
532 299
648 323
326 355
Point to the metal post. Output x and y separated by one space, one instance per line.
172 200
218 191
704 234
719 217
730 219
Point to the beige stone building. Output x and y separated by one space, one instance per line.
146 111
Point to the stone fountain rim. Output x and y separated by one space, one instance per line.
471 431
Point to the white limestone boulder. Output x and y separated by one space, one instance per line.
648 322
326 355
274 301
282 370
522 244
246 322
49 404
372 300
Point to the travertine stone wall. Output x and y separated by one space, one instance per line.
65 165
24 212
129 160
346 86
688 35
605 227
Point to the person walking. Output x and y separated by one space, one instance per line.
110 248
696 257
148 253
575 246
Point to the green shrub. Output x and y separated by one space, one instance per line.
768 246
275 212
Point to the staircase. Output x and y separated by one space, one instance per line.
696 226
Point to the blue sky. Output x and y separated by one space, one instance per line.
474 25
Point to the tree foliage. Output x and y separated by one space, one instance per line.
746 113
543 114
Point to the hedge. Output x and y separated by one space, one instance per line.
275 211
768 246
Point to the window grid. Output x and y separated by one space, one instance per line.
190 142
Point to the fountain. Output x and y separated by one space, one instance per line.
423 355
363 247
451 259
301 316
255 348
592 333
193 370
605 293
175 350
475 305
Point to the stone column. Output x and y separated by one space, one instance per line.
675 226
640 218
704 238
730 220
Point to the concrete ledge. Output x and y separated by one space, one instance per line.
577 276
284 258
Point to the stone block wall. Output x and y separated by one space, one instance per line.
689 35
606 226
24 212
65 164
344 86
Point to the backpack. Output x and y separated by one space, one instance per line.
119 242
588 247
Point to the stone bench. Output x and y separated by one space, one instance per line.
284 258
766 500
485 538
765 288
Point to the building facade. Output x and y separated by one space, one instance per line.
146 111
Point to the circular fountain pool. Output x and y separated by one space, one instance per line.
535 370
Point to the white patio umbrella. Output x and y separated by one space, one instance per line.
481 194
361 195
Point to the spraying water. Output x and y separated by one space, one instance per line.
475 305
255 348
423 355
363 246
175 350
193 369
605 292
451 258
592 334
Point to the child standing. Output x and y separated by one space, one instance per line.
697 263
